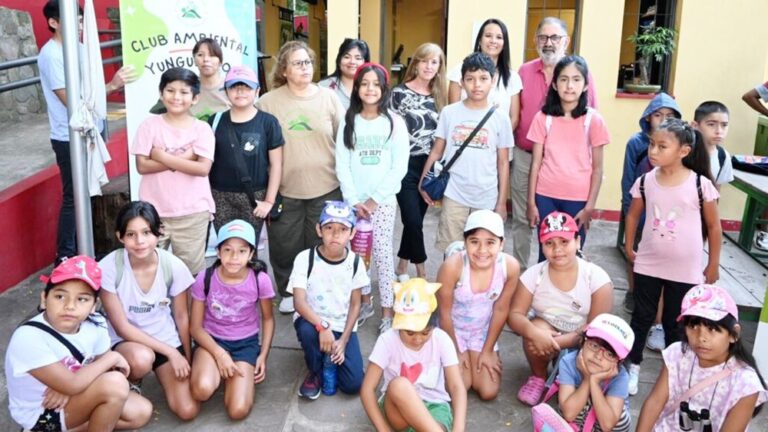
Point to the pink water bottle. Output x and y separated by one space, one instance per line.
362 242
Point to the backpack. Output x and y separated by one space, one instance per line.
311 263
164 261
701 200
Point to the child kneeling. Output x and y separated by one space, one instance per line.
68 377
420 368
326 284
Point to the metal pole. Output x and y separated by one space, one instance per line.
70 21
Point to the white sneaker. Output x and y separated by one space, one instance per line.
761 241
286 305
386 324
634 378
403 278
656 340
366 311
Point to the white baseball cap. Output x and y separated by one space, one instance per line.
615 331
487 220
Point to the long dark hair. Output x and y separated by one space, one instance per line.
552 105
356 104
697 159
735 349
136 209
503 63
346 46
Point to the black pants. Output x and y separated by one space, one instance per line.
647 293
66 238
412 211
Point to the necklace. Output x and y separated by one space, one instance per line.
714 392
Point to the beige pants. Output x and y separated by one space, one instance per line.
521 230
187 235
450 227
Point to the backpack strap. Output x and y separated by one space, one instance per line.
207 280
721 160
119 266
548 123
216 120
164 262
355 264
311 261
642 187
56 335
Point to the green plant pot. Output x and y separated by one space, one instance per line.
642 88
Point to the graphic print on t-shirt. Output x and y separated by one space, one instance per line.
300 123
462 131
369 148
664 225
146 307
250 142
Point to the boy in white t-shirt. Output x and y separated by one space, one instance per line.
326 284
480 176
711 118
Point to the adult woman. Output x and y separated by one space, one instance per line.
352 53
309 116
418 100
208 59
493 41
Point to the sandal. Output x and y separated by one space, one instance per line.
546 419
530 393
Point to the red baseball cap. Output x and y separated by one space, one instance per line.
557 224
80 267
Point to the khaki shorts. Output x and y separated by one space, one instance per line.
187 236
450 227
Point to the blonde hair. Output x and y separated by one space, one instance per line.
281 65
437 84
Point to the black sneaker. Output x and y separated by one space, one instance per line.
310 388
629 302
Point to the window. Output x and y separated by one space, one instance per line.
639 15
566 10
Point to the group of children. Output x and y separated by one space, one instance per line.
439 339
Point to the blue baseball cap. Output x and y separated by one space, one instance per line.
339 212
237 228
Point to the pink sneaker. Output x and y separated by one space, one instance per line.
546 419
530 393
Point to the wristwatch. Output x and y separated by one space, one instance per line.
322 325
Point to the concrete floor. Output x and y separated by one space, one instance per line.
277 407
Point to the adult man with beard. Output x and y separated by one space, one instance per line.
551 43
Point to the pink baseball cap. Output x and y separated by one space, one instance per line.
241 74
80 267
615 331
708 301
557 224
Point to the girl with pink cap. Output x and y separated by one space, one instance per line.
709 381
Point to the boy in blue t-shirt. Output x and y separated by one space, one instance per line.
326 283
636 163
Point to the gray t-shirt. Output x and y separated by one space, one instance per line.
51 64
474 176
726 173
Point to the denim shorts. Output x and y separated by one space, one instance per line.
245 350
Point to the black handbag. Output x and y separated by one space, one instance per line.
435 185
247 181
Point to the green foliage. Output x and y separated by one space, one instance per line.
656 42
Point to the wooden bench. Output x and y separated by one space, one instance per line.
744 278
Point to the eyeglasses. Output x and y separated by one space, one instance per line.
542 39
595 347
302 63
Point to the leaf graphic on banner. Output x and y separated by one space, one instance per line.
140 33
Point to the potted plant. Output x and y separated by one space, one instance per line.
651 43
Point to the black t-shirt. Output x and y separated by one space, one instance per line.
253 139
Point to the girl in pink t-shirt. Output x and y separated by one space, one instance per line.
225 318
567 156
709 378
680 204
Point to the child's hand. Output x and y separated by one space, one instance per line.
262 209
711 273
425 196
464 360
337 351
630 253
157 154
371 205
501 210
533 214
606 375
581 365
179 364
121 364
361 211
490 361
326 340
227 367
543 342
54 400
260 370
583 218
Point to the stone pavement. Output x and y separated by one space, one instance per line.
277 406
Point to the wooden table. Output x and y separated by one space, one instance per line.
755 186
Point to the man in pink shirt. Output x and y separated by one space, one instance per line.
551 43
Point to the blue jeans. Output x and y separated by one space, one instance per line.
350 373
412 211
66 239
547 205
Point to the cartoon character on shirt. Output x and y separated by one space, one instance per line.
665 227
